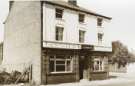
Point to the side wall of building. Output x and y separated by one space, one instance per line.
22 38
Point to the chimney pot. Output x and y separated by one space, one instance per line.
73 2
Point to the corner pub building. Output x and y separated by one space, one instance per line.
61 40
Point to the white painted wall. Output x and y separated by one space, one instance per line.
71 26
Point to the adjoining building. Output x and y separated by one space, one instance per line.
61 40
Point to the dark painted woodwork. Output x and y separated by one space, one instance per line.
53 78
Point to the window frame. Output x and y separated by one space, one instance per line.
58 13
59 34
82 37
100 65
99 22
65 60
81 18
100 37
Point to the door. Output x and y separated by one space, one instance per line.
81 66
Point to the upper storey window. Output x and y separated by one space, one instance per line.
59 13
81 18
59 33
99 21
100 37
81 36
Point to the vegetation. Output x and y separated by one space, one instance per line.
14 77
121 54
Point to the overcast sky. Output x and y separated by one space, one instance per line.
122 26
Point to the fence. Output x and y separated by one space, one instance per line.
15 73
115 68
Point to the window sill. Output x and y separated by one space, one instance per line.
81 43
82 23
60 19
59 41
98 71
61 73
100 27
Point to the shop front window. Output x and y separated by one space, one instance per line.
98 65
60 63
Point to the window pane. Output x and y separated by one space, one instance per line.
58 10
99 21
69 57
60 62
68 66
51 66
56 33
59 33
60 57
59 13
81 17
96 65
100 36
97 62
60 68
81 36
51 57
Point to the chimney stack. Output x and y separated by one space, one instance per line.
73 2
10 4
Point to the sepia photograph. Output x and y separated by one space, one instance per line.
67 43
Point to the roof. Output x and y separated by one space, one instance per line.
76 8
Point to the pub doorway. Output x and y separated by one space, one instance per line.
81 66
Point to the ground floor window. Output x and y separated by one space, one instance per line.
98 64
60 63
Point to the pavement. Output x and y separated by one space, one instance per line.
118 79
